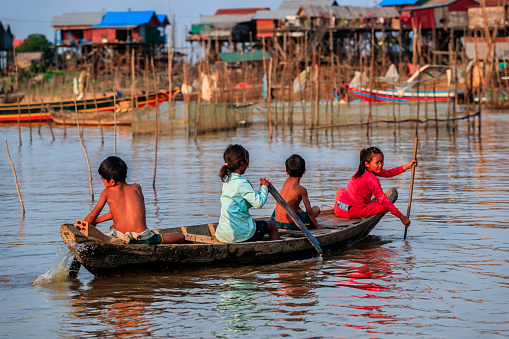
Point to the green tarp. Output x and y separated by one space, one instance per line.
234 57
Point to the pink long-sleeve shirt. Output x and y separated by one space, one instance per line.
359 190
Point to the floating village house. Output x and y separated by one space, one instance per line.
110 33
6 40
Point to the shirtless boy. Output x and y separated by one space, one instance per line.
293 193
127 207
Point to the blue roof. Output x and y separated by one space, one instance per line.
162 18
397 2
126 19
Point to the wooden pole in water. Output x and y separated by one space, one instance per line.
115 121
156 123
15 176
411 184
17 97
85 148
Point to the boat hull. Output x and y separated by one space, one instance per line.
101 258
407 96
39 111
92 118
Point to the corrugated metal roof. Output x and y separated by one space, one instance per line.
436 3
29 56
297 4
351 12
234 57
343 12
232 11
316 11
275 15
396 2
77 19
224 19
126 19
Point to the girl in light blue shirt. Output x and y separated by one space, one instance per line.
235 223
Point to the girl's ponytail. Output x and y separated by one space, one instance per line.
362 166
224 172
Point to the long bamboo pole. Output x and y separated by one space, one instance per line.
85 149
15 176
156 125
416 141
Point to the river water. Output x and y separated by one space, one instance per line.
449 279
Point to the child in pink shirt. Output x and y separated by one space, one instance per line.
355 201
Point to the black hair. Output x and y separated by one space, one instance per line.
295 166
366 156
235 157
113 168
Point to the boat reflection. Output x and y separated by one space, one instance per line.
374 274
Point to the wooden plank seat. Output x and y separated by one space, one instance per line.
207 239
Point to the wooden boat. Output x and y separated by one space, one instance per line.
404 91
202 249
391 95
92 118
36 110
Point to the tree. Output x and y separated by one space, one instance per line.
37 43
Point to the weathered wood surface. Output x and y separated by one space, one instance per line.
202 249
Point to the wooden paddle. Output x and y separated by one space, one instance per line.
295 218
411 184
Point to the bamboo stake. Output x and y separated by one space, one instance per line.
15 176
85 149
115 121
411 184
30 112
97 109
17 98
156 126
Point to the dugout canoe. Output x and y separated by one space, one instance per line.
92 118
202 249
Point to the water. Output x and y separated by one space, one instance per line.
448 280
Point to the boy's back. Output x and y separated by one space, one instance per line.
292 193
127 207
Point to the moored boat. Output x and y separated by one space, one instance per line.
202 249
93 118
403 91
36 111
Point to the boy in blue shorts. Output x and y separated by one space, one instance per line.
293 193
127 208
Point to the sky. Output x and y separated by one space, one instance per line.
34 16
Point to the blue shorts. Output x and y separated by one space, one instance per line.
261 229
304 217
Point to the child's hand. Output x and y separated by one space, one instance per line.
405 220
264 182
410 164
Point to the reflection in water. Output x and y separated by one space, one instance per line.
376 272
236 305
20 234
